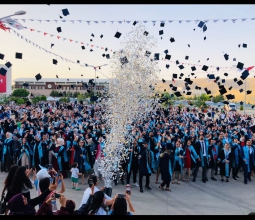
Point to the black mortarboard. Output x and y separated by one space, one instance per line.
92 35
134 23
218 83
181 67
225 74
93 98
82 47
65 12
156 56
170 85
18 56
186 57
241 90
204 38
172 40
145 33
211 76
178 94
3 71
72 86
239 45
59 29
91 50
163 80
201 24
103 55
147 53
174 75
235 79
56 76
223 91
244 45
204 28
193 68
38 76
223 81
240 82
196 87
188 93
217 68
181 74
241 103
167 66
248 92
101 36
166 51
245 74
230 88
174 88
60 86
107 56
25 84
168 57
123 60
234 59
226 56
225 102
55 61
8 64
117 35
161 32
1 56
239 65
162 24
177 62
204 67
78 61
207 58
192 74
106 49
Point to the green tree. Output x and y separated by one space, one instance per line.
54 93
64 99
218 98
80 97
75 94
35 99
20 101
204 97
43 98
20 93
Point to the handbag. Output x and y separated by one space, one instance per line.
3 205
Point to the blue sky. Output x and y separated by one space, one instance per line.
222 37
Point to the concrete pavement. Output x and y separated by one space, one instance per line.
211 198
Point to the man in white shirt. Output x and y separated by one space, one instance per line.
87 192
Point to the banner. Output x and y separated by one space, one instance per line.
3 84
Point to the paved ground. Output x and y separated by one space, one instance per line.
211 198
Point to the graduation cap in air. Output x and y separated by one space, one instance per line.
181 67
225 74
240 82
235 79
156 56
175 76
253 106
91 40
166 51
1 56
18 55
59 29
192 74
204 28
163 80
54 61
25 84
168 57
211 76
222 90
186 57
3 71
101 36
65 12
217 68
248 92
162 24
164 90
204 67
193 68
60 86
78 61
177 62
223 81
239 65
145 33
92 35
134 23
167 66
123 60
188 45
8 64
107 56
239 45
207 58
67 79
161 32
174 88
172 40
230 88
72 86
178 94
117 35
201 24
204 38
218 83
241 90
241 103
147 53
82 47
56 76
103 55
245 74
38 76
226 56
244 45
93 98
188 93
181 74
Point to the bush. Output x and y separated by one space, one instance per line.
20 93
241 107
64 99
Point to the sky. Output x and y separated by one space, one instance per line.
221 37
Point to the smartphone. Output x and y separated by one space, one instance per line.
90 182
121 195
54 180
50 167
57 195
59 173
128 190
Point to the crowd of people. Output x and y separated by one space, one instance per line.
48 140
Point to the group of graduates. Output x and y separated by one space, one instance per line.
172 142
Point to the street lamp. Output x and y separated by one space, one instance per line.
16 13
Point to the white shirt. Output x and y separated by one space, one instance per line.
75 172
87 193
100 211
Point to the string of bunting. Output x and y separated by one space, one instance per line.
143 21
47 51
70 40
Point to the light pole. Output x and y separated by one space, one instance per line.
16 13
244 96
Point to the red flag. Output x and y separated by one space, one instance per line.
249 68
71 40
45 33
58 37
32 29
173 80
92 45
82 43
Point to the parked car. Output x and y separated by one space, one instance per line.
232 107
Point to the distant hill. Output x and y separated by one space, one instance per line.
204 83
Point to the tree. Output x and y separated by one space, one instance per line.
204 97
54 93
218 98
20 93
64 99
20 101
80 97
75 94
43 98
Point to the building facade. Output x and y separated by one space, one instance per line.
46 85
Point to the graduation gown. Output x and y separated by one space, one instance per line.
225 167
165 165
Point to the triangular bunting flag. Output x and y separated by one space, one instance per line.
112 22
82 43
32 29
244 19
76 41
88 22
180 21
56 21
224 20
45 33
70 40
64 38
170 21
58 37
31 19
145 21
128 22
119 22
188 21
72 21
51 35
23 20
103 21
96 22
80 21
215 21
47 20
233 20
39 21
